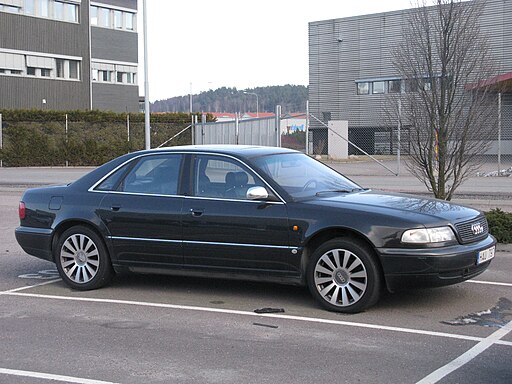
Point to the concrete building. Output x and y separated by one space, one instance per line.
351 72
69 54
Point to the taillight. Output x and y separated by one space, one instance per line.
21 210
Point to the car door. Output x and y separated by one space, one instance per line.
142 211
225 231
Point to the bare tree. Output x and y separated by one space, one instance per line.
444 60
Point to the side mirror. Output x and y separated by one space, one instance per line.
257 193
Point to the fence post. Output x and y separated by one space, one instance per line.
1 142
203 122
237 128
278 125
128 126
307 127
66 138
398 150
499 133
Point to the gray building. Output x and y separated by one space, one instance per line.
351 72
69 54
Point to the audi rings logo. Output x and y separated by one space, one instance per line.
477 228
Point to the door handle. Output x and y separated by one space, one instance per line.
115 207
196 212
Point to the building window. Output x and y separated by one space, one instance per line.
363 88
112 18
120 77
71 12
129 20
43 7
74 70
94 15
30 7
105 76
104 17
31 71
45 72
378 87
58 10
118 19
394 86
59 67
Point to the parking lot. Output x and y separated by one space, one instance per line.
162 329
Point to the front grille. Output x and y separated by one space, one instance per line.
473 230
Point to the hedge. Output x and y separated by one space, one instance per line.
500 225
39 138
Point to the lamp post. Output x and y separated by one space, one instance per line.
257 102
147 129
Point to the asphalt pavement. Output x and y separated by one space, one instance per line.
162 329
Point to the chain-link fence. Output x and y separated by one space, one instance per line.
394 142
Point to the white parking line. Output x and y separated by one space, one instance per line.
489 283
29 286
253 314
465 358
48 376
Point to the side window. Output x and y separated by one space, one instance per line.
156 175
111 182
222 177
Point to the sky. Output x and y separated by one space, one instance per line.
197 45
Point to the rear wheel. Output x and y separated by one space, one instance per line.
343 276
82 259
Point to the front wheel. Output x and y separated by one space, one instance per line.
343 276
82 259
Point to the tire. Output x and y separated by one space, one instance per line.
82 259
343 276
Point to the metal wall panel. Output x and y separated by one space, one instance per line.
115 97
32 34
260 131
342 51
110 44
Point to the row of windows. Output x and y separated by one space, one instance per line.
106 76
50 9
112 18
107 72
392 86
66 10
39 66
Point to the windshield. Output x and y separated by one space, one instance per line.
302 177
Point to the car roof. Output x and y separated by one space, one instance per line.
246 151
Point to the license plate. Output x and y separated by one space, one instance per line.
485 255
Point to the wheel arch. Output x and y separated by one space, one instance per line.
65 225
332 233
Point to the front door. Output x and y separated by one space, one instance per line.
224 231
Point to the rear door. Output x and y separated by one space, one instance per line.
143 212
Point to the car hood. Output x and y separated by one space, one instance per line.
393 203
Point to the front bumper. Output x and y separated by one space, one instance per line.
431 267
35 241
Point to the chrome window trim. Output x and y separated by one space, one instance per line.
92 188
233 200
201 242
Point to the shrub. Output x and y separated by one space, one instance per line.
500 225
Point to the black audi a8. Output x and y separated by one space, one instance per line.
255 213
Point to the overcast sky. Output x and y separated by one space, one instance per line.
235 43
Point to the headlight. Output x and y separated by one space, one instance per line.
428 235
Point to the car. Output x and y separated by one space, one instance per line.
251 213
